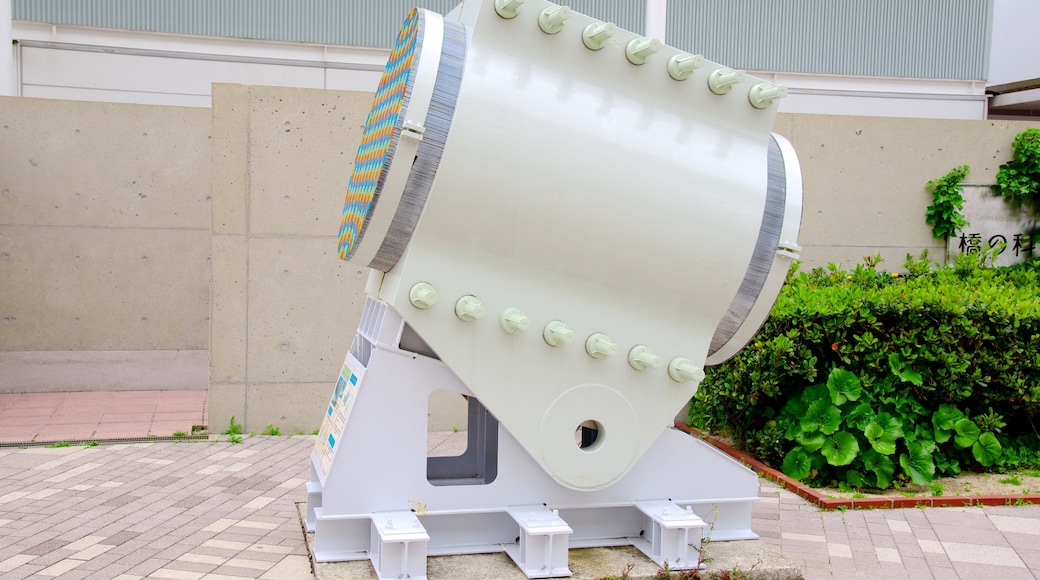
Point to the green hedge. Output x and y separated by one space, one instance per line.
865 378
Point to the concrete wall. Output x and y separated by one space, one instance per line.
284 306
864 180
106 233
104 246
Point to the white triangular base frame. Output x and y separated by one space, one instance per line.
380 464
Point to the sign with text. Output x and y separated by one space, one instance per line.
991 224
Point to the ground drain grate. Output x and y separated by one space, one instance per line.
120 441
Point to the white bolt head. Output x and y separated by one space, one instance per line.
469 308
557 333
422 295
513 320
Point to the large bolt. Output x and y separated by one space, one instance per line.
642 357
422 295
557 333
513 320
469 308
599 345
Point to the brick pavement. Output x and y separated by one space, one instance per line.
186 510
995 543
210 510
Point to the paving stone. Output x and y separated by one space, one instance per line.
211 510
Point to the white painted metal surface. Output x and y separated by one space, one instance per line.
581 188
563 220
542 550
370 458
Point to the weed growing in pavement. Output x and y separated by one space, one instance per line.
90 444
1012 479
234 431
624 573
271 430
233 427
179 434
936 489
57 444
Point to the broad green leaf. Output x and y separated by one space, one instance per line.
901 370
840 448
843 385
881 466
987 449
821 415
917 463
797 464
966 433
927 445
860 415
883 432
946 466
795 407
814 393
943 420
855 479
810 441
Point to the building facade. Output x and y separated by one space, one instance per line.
928 58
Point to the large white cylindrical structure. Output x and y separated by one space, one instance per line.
575 218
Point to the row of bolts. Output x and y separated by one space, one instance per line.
680 67
556 333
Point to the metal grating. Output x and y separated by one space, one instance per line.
335 22
93 442
942 39
928 39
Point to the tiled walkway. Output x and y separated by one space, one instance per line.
160 510
211 510
52 417
994 543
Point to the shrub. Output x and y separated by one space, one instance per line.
1018 180
944 215
863 377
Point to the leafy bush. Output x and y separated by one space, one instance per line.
1018 180
944 215
863 378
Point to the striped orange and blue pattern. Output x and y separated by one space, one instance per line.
383 126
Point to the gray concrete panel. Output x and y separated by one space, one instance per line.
100 288
72 163
303 308
301 155
229 164
228 313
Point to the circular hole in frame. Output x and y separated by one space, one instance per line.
589 435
